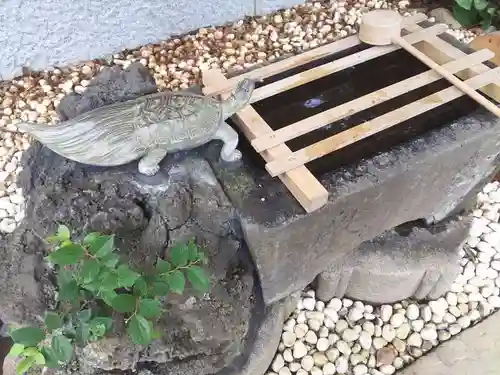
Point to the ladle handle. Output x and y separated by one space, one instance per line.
446 74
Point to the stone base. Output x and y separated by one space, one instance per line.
408 261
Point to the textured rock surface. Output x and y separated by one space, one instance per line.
474 351
148 214
410 182
395 265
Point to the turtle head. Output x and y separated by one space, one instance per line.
240 97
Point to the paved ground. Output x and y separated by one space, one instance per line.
474 352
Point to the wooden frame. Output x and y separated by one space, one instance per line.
290 166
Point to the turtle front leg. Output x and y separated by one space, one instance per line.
229 136
149 164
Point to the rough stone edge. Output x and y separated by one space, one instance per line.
474 351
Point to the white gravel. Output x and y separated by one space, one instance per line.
400 333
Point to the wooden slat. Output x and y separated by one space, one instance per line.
368 128
341 64
300 182
301 59
364 102
441 52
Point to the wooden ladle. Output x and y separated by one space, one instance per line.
383 26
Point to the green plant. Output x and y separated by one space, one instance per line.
474 12
95 288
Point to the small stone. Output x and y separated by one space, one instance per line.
294 367
335 304
342 365
319 359
331 313
403 331
320 306
311 338
414 340
385 312
288 339
464 322
355 314
307 363
426 313
365 340
8 225
333 338
455 329
428 333
360 370
322 344
314 324
494 301
399 344
299 350
323 332
379 342
309 303
385 356
451 298
444 335
343 347
300 330
341 326
388 332
329 369
278 363
369 327
417 325
350 335
316 371
356 359
397 319
346 302
412 312
302 372
387 369
332 354
287 355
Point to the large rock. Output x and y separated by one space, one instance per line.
148 215
407 261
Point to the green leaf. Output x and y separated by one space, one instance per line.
69 291
62 348
52 240
30 352
39 359
16 350
110 260
52 321
50 357
465 17
179 255
140 287
198 279
176 281
84 315
465 4
82 332
67 255
25 365
481 4
139 330
108 281
108 296
63 233
91 237
100 325
163 266
150 308
102 246
124 303
89 271
161 288
126 276
28 336
192 251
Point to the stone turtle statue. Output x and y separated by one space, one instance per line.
146 128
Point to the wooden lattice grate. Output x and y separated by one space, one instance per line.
290 166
